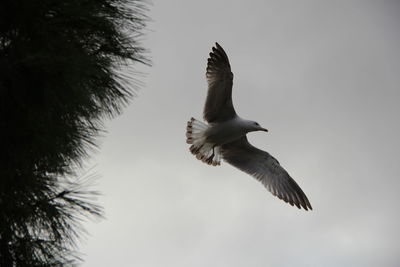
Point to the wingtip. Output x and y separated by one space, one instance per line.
218 46
307 207
308 204
218 52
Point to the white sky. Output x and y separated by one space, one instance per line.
323 77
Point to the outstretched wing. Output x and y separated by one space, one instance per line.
266 169
219 105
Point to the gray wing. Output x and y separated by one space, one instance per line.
219 105
266 169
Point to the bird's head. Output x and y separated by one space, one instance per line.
253 126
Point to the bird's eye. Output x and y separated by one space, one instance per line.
257 124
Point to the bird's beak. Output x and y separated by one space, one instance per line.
263 129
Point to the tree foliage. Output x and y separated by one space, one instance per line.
59 77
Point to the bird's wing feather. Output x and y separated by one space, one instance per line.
266 169
219 106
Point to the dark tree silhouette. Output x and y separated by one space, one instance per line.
60 75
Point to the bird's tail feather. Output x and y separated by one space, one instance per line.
195 135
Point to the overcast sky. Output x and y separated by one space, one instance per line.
323 77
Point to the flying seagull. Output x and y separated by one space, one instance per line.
224 137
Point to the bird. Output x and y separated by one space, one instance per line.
223 136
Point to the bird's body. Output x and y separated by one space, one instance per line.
227 131
224 137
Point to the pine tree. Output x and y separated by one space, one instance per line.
60 76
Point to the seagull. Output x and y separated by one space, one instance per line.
224 136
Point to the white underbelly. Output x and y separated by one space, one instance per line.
224 133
